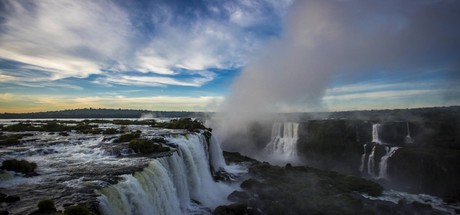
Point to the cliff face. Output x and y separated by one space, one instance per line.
425 161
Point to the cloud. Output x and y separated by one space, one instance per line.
65 38
157 81
325 39
77 39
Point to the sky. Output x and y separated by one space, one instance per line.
213 55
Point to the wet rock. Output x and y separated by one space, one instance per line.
8 199
238 196
235 209
251 184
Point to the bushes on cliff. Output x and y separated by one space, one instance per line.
184 123
22 166
148 145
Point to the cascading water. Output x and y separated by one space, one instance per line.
283 143
217 157
408 138
383 165
168 184
363 159
376 129
370 163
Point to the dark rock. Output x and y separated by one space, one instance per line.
238 196
251 184
235 209
8 199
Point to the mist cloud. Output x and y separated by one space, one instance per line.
324 39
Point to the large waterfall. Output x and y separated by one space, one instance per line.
283 143
170 185
383 165
376 129
371 163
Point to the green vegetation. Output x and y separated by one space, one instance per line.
46 205
110 131
128 137
98 113
9 140
76 210
184 123
148 145
21 127
22 166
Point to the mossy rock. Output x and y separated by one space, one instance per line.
128 137
141 145
46 205
22 166
76 210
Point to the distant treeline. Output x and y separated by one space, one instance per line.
439 113
100 113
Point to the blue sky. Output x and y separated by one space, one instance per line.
187 55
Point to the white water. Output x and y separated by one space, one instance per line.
435 202
168 184
363 159
408 138
370 163
376 129
216 154
383 165
283 143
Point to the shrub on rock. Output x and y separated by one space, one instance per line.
147 146
76 210
22 166
46 205
128 137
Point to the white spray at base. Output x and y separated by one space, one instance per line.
169 184
283 143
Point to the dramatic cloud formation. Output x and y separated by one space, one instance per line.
290 52
62 39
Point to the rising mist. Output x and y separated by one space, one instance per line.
322 40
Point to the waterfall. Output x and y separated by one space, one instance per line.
383 165
284 138
363 159
408 138
216 154
168 184
370 162
376 129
